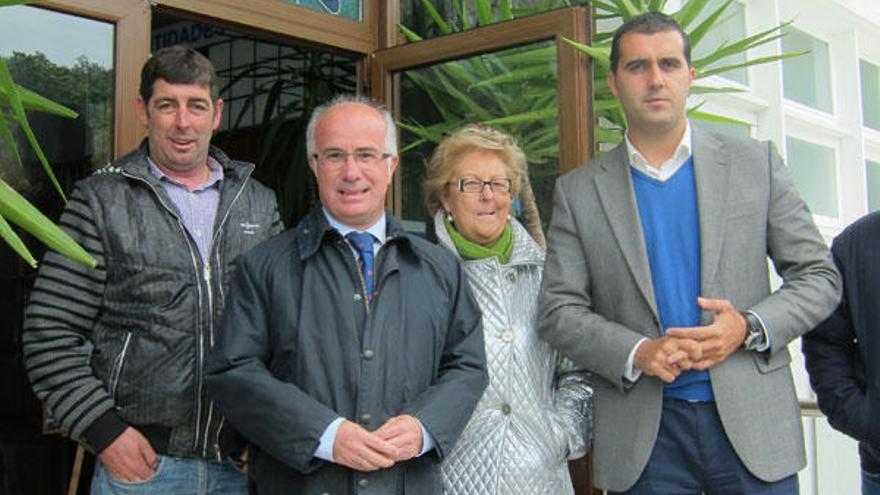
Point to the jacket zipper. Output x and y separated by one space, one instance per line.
117 366
194 256
208 279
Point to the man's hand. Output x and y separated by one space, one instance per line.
361 450
130 457
405 433
666 357
719 339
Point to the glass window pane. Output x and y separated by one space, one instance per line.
807 78
870 95
351 9
69 60
872 170
731 27
462 15
814 172
512 90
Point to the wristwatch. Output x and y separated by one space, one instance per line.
754 333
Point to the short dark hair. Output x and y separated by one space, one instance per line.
178 64
650 23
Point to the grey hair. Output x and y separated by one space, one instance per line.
319 111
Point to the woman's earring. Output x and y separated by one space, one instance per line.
449 216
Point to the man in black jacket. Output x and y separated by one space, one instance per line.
117 353
351 352
842 352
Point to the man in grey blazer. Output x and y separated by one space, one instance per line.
657 281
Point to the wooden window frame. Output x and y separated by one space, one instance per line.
574 81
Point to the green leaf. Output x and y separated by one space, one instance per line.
656 5
9 139
748 63
34 102
463 13
408 33
524 76
505 10
612 9
547 113
742 45
15 103
438 20
7 3
711 117
695 36
19 211
600 55
688 12
702 90
484 12
627 9
15 242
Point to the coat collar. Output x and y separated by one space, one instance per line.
525 250
314 229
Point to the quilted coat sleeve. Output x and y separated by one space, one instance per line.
574 407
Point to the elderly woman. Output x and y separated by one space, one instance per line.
533 416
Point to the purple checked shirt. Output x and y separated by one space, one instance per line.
198 207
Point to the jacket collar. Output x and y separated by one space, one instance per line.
525 250
136 164
314 228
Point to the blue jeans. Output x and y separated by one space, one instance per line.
692 455
176 476
870 483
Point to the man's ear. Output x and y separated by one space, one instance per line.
143 113
612 83
392 166
218 112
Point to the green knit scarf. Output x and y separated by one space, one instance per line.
468 250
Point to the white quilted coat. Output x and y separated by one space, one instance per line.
536 412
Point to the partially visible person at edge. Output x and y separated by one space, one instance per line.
117 353
657 281
841 354
534 415
351 352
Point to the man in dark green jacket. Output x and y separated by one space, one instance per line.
351 353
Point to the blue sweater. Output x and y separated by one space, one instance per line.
671 228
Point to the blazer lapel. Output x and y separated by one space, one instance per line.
711 171
615 188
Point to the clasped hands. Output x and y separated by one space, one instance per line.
399 439
698 348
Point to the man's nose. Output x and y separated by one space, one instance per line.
655 76
182 117
350 167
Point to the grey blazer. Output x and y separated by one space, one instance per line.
598 299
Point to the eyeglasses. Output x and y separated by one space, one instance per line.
338 158
476 186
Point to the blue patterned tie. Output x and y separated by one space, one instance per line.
363 242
